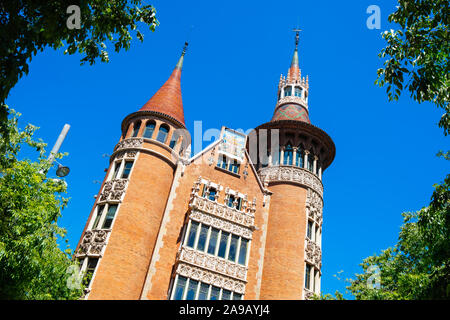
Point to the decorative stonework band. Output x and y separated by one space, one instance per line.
210 277
291 174
113 190
129 143
215 264
222 211
314 206
93 243
313 254
292 99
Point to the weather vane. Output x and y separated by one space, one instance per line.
297 35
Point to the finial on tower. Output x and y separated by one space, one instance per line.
297 36
184 48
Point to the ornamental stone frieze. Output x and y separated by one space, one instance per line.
129 143
313 254
126 155
292 174
308 294
221 224
92 243
292 99
314 206
222 211
212 263
210 277
113 190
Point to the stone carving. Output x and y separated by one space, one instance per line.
222 224
313 254
129 143
292 99
92 243
113 190
210 277
245 219
216 264
292 174
314 206
308 294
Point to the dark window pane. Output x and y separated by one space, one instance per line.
212 194
116 169
192 234
192 289
98 216
179 289
149 128
91 265
202 238
203 292
233 248
231 200
243 251
237 296
213 241
215 293
136 129
223 244
309 231
288 91
226 295
307 276
127 169
110 216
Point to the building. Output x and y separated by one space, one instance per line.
242 219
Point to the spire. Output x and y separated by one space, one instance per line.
167 99
294 70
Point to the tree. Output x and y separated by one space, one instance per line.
417 55
29 26
32 266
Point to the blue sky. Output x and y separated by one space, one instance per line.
385 161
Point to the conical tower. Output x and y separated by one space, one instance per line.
291 154
118 241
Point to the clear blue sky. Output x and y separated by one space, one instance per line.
385 162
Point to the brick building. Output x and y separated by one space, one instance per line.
242 219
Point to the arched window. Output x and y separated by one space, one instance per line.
288 154
288 91
149 128
174 139
310 162
317 168
298 92
162 134
300 157
136 127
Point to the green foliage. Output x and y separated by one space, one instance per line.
417 55
32 266
29 26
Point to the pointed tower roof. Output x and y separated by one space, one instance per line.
167 99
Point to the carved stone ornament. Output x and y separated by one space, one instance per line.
215 264
113 190
292 174
129 143
308 294
93 242
314 206
210 277
313 254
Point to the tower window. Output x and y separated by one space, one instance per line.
298 92
202 238
149 128
179 289
222 163
98 216
288 154
136 127
309 230
288 91
174 139
116 169
310 162
110 216
212 194
223 244
300 157
90 269
308 277
162 133
192 234
243 252
213 241
127 169
192 290
233 248
234 166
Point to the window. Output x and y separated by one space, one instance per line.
231 200
213 241
226 295
179 289
300 157
149 128
202 238
237 296
215 293
288 154
317 168
223 244
222 163
309 230
127 169
212 194
310 162
192 234
162 134
233 248
136 127
174 139
203 292
98 216
298 92
243 252
308 277
110 216
91 265
288 91
116 170
234 166
192 290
